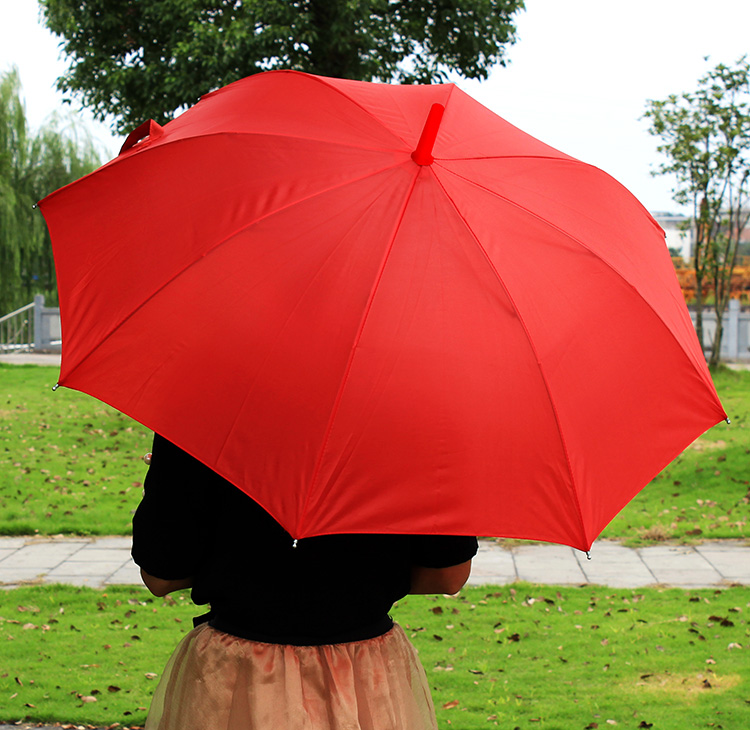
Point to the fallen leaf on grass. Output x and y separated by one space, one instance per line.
450 705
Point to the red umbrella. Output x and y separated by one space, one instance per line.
373 316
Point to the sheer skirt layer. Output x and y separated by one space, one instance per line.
218 681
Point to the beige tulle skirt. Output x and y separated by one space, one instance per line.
216 681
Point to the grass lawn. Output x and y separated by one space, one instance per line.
518 657
705 492
69 464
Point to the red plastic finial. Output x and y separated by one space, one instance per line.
423 154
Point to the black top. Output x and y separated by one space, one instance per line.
329 589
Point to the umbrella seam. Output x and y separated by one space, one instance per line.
228 238
136 149
164 144
562 158
563 442
358 336
221 450
324 81
579 242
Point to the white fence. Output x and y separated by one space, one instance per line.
735 342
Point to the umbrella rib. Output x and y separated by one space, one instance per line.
352 352
533 349
229 237
278 335
481 158
324 81
578 241
122 159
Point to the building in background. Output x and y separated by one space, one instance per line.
680 233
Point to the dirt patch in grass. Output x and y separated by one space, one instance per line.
703 444
687 686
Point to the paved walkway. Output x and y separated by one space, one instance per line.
105 561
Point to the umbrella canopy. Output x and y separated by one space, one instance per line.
381 308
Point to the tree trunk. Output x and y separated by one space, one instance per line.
715 355
699 308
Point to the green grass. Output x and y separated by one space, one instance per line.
705 492
519 657
69 464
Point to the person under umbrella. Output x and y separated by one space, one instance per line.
372 309
298 633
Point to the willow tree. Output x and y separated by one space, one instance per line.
147 59
705 137
31 166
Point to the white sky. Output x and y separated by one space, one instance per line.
579 76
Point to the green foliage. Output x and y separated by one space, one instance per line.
151 58
705 137
31 166
519 656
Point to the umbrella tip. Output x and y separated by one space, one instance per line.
423 154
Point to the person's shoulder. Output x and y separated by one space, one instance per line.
442 551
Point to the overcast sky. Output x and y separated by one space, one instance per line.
579 77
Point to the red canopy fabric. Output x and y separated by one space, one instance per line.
490 343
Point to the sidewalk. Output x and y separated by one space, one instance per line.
105 561
31 358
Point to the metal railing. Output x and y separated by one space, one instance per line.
33 328
17 330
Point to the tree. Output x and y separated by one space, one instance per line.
148 59
705 136
31 166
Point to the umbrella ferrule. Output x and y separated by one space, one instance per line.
423 154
